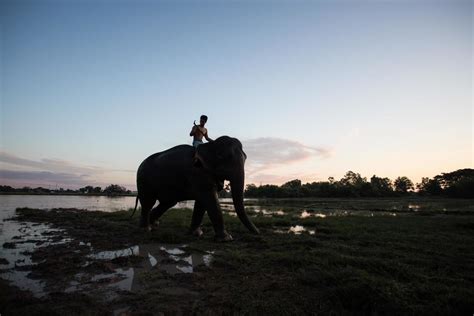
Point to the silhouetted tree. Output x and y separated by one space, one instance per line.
291 188
355 185
115 189
6 188
448 179
429 187
403 185
97 190
459 183
381 186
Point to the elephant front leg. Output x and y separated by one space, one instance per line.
211 202
198 214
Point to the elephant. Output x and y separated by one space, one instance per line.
186 173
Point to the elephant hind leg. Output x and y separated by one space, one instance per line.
147 205
160 210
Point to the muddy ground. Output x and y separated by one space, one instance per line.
88 263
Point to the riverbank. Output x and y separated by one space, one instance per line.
68 193
421 263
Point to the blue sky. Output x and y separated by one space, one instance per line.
312 88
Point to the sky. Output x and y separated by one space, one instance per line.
313 89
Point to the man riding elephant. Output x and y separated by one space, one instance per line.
199 131
188 173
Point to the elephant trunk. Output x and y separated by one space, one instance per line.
237 186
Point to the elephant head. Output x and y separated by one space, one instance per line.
224 159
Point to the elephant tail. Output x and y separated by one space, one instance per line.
136 204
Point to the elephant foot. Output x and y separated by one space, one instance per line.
225 237
146 228
155 225
198 232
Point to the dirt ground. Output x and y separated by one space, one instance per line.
93 263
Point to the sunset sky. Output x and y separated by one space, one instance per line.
312 88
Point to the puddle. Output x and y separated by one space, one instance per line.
229 210
267 213
171 259
414 207
297 230
233 214
18 240
306 214
110 255
120 280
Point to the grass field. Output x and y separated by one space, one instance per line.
412 264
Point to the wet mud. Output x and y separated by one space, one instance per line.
96 257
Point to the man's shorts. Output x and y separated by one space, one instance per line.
197 143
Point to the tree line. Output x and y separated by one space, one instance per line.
113 189
459 184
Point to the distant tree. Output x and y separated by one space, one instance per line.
115 189
381 186
352 178
353 184
429 187
291 188
97 190
403 185
251 190
41 190
294 184
6 188
459 183
464 188
448 179
269 191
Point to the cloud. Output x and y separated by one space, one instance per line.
265 178
54 165
44 178
270 150
47 172
267 153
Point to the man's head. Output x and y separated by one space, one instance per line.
203 119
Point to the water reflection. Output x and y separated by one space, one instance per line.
171 259
296 229
110 255
267 212
90 203
306 214
19 240
265 207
